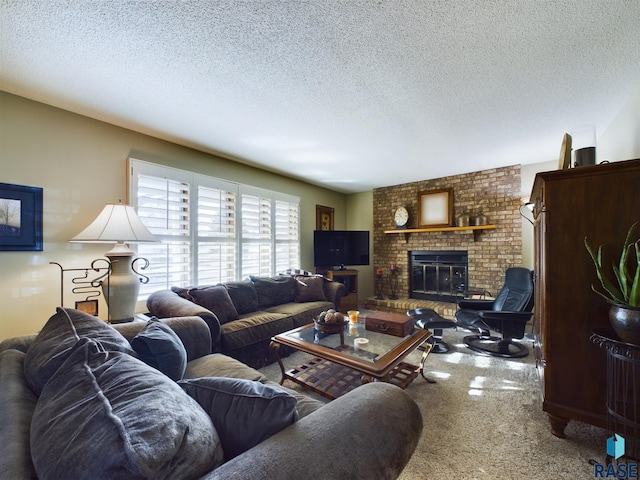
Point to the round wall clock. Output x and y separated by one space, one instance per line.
401 216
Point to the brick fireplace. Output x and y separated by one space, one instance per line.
490 252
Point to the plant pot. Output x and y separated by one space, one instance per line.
625 321
462 220
480 219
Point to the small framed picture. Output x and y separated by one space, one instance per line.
88 306
20 218
435 208
324 218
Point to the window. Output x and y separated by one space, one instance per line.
211 230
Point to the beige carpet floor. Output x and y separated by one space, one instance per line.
483 420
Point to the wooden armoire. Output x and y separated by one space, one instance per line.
599 202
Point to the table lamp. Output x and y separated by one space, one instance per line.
119 224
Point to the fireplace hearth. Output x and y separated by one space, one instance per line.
440 275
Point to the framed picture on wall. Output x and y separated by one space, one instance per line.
324 218
435 208
20 218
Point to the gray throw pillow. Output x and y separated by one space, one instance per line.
217 300
243 295
159 346
244 412
310 289
109 415
51 347
274 290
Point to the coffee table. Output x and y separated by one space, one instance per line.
338 367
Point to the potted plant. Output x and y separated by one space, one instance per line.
624 293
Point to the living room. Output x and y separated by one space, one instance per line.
385 144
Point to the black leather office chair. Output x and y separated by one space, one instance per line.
508 315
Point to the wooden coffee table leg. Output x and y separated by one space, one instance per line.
275 347
425 354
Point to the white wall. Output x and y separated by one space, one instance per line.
621 139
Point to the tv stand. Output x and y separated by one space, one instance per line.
349 278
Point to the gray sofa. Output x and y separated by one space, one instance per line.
369 433
243 316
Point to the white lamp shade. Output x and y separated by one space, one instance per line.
116 223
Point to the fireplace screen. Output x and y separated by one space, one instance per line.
438 275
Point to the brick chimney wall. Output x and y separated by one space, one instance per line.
491 252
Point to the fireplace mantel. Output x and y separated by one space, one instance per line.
442 229
471 228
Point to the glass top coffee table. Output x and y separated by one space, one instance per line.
339 366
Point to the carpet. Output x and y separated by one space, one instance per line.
483 419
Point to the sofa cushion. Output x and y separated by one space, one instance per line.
160 347
253 328
216 299
17 403
244 412
51 347
310 289
243 295
109 415
274 290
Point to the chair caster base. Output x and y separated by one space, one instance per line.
495 346
439 346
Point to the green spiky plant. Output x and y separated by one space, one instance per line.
626 289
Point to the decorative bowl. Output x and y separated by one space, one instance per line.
325 327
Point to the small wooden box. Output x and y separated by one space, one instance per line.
390 323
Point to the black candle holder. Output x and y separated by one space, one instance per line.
379 286
393 284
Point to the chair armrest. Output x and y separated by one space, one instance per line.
371 433
476 304
168 304
501 315
334 291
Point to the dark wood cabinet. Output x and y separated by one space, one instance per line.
599 202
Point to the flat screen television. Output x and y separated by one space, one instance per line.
337 248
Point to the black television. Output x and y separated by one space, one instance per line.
337 248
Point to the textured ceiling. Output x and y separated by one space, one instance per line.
348 94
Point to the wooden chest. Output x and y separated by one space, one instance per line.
390 323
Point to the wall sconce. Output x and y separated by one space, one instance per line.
119 224
528 206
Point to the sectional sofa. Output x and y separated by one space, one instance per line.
243 316
84 399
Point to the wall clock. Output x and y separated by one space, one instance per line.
401 217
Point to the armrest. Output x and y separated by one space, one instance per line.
334 291
192 331
371 433
472 304
167 304
501 315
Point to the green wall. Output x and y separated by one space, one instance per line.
81 165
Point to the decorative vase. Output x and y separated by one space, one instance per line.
462 220
480 219
625 321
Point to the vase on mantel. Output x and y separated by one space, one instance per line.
480 218
463 219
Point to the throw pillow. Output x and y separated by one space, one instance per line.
243 295
50 348
217 300
310 289
109 415
274 290
159 346
244 412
